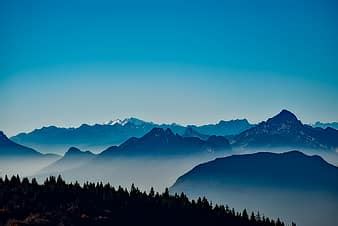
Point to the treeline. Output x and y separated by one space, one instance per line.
25 202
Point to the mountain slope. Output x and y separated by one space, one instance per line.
18 159
285 130
9 148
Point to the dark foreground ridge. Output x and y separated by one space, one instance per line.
24 202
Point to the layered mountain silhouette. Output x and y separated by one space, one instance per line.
285 130
163 142
94 137
73 158
281 131
100 136
286 170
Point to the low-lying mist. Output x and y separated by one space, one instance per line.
305 208
23 166
144 172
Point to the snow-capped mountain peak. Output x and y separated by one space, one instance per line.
113 122
123 122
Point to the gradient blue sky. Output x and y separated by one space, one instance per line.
72 62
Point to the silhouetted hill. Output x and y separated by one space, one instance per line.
285 130
291 185
73 158
163 142
56 203
291 170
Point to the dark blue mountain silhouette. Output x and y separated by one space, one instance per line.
285 130
291 185
9 148
292 170
162 142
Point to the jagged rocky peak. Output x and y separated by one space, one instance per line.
284 116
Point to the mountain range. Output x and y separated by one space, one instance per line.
100 136
281 131
155 159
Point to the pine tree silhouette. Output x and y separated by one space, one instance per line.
24 202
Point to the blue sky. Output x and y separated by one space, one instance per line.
73 62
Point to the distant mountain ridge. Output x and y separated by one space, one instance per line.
285 130
324 125
100 136
224 128
281 131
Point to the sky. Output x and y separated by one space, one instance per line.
70 62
